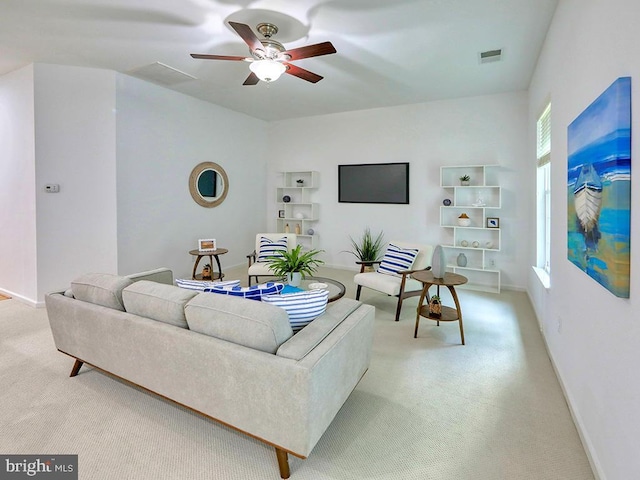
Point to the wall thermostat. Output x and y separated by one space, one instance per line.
52 188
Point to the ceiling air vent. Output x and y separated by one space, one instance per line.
160 73
490 56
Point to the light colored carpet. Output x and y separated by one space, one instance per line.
428 408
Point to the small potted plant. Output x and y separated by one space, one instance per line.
206 272
295 265
300 182
435 307
368 249
464 180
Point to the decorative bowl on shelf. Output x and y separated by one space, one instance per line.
286 199
446 202
464 243
475 244
300 215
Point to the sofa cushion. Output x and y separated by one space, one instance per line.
397 259
271 248
101 289
252 324
157 301
301 307
200 285
254 292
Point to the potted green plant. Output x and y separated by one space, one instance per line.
368 248
295 264
464 180
206 272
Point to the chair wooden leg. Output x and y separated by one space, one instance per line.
399 308
76 368
358 292
283 463
249 280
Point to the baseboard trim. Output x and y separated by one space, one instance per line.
22 299
584 439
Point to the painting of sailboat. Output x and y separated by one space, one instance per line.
599 188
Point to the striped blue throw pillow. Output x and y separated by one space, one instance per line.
302 307
397 259
254 292
271 248
201 285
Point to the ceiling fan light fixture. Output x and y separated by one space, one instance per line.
267 70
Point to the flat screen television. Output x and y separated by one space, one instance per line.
374 183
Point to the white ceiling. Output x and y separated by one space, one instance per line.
390 52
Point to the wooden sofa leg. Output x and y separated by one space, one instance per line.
283 463
76 368
358 292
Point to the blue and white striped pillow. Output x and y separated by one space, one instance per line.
201 285
254 292
302 307
397 259
271 248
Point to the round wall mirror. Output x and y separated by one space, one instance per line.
208 184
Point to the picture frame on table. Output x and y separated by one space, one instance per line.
280 213
493 222
207 244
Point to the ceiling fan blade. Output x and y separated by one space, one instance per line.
302 73
316 50
252 79
216 57
247 35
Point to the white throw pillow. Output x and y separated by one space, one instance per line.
302 307
271 248
254 292
397 259
201 285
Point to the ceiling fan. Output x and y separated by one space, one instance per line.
269 59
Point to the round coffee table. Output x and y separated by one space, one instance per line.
336 289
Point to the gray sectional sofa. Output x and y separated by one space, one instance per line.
216 354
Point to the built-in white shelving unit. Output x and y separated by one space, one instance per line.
479 241
299 210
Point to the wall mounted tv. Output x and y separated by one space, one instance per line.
374 183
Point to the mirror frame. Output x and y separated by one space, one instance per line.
193 184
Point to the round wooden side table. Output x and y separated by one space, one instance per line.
211 254
449 314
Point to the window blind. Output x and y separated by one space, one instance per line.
544 137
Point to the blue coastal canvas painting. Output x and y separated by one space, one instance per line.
599 188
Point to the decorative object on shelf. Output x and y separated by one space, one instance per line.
310 231
464 243
286 199
280 213
488 244
438 262
300 182
435 307
206 272
479 202
286 228
446 202
493 222
300 216
464 180
295 261
368 249
464 220
475 244
298 229
207 244
462 260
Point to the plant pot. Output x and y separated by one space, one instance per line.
294 279
435 309
464 183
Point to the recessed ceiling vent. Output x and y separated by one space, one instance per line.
490 56
160 73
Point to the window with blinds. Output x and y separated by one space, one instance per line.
544 137
543 189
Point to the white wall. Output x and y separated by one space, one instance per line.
468 131
593 336
17 190
162 136
75 148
